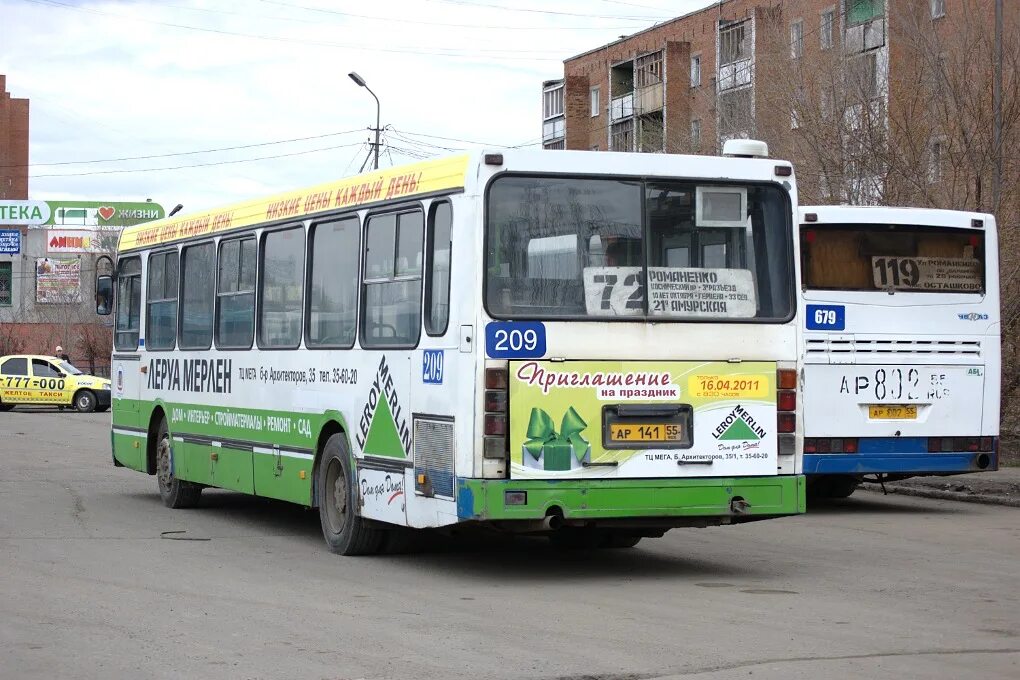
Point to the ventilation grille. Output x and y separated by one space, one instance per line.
434 455
914 348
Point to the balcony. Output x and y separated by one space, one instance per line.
621 107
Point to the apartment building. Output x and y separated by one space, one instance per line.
13 144
834 85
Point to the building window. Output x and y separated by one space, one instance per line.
797 39
198 267
734 42
825 29
862 11
333 283
936 157
864 72
6 285
235 294
696 70
129 304
696 134
161 301
281 287
552 102
622 136
594 92
799 100
437 287
648 70
393 267
938 9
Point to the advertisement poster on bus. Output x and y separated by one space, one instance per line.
57 280
633 419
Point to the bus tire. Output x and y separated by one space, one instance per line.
175 493
622 539
346 532
579 538
84 401
841 487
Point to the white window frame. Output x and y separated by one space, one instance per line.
796 39
595 95
696 70
938 9
825 36
553 92
696 133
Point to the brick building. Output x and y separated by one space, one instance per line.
853 91
13 144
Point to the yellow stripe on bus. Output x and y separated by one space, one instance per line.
403 182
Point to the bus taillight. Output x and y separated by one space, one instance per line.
495 403
786 400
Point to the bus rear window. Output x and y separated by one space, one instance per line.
892 258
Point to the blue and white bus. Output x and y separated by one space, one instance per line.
901 356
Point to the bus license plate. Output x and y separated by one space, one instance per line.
645 432
892 412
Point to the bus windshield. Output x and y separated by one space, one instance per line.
892 258
574 248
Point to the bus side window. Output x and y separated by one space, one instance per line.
281 288
333 284
197 286
235 294
393 268
161 301
437 286
129 304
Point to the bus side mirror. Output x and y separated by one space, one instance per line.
104 294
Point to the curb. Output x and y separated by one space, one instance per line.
961 496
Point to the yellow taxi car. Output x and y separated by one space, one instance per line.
40 380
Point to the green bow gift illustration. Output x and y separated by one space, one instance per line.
547 450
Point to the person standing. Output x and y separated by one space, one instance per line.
61 355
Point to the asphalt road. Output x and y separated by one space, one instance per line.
873 587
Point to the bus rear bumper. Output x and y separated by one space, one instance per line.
576 499
898 463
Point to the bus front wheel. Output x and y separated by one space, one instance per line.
175 493
345 531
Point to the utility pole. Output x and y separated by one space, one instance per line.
997 105
360 82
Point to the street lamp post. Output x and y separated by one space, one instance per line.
361 83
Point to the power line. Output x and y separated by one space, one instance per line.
198 165
419 22
184 153
547 11
501 54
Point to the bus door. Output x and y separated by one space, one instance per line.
126 366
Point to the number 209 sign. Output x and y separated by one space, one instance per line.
515 339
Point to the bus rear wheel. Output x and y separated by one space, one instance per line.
345 531
175 493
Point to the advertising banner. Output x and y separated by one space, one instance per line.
80 241
31 213
10 241
100 214
630 419
57 281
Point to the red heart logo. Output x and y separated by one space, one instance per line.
106 212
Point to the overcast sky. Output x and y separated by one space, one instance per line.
116 79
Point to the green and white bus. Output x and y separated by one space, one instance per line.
598 347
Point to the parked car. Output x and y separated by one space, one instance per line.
42 380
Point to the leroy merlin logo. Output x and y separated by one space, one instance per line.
383 427
738 426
